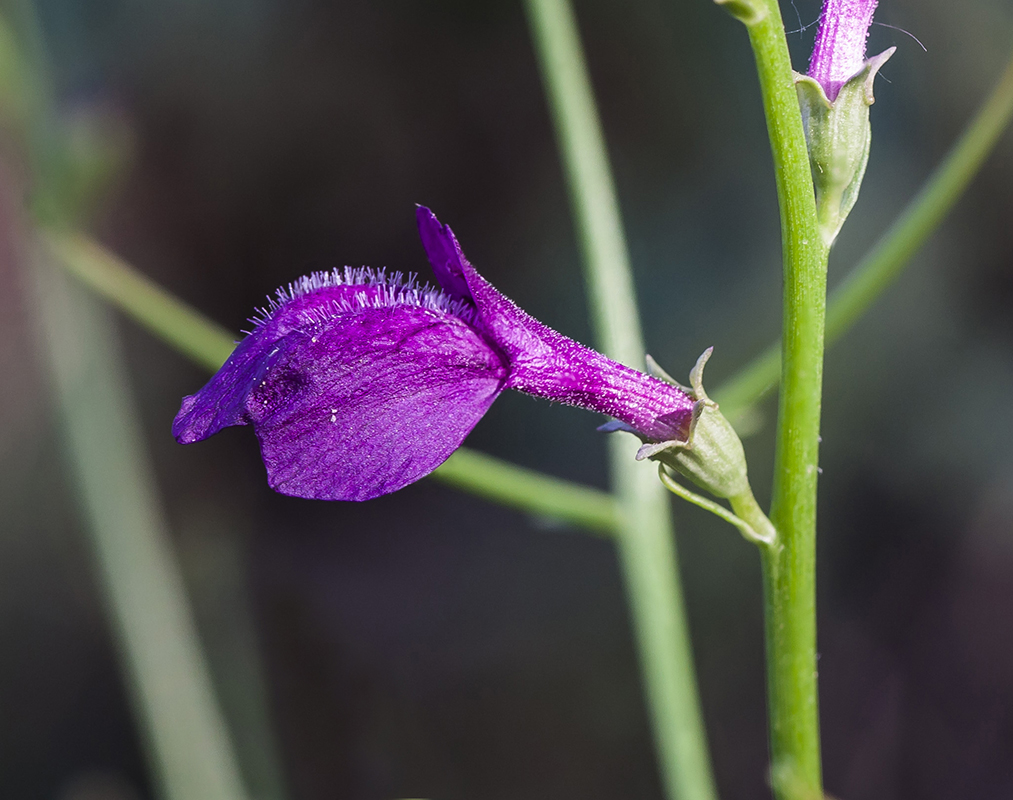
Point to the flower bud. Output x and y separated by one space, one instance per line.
835 97
838 135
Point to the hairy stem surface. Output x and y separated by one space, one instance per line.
789 567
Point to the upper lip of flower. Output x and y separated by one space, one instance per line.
358 383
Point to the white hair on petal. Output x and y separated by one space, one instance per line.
390 291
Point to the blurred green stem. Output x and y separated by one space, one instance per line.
183 328
878 270
180 722
789 566
529 490
208 344
186 736
213 557
646 537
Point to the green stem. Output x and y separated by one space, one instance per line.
186 735
208 344
881 267
214 560
181 327
530 491
646 541
790 566
748 517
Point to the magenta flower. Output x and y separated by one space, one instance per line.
839 52
358 383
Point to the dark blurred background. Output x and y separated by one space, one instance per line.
431 644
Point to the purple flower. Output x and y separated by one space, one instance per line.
358 383
839 52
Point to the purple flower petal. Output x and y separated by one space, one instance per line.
839 51
223 401
369 407
354 390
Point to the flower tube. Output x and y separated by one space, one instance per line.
839 52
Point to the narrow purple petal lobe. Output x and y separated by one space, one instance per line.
224 400
444 254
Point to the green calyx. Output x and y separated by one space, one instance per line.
712 458
838 135
746 11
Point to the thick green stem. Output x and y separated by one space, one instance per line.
881 267
646 541
790 566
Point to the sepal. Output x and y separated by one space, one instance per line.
655 370
712 456
838 135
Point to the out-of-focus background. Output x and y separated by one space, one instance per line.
431 644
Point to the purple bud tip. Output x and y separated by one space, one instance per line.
839 51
